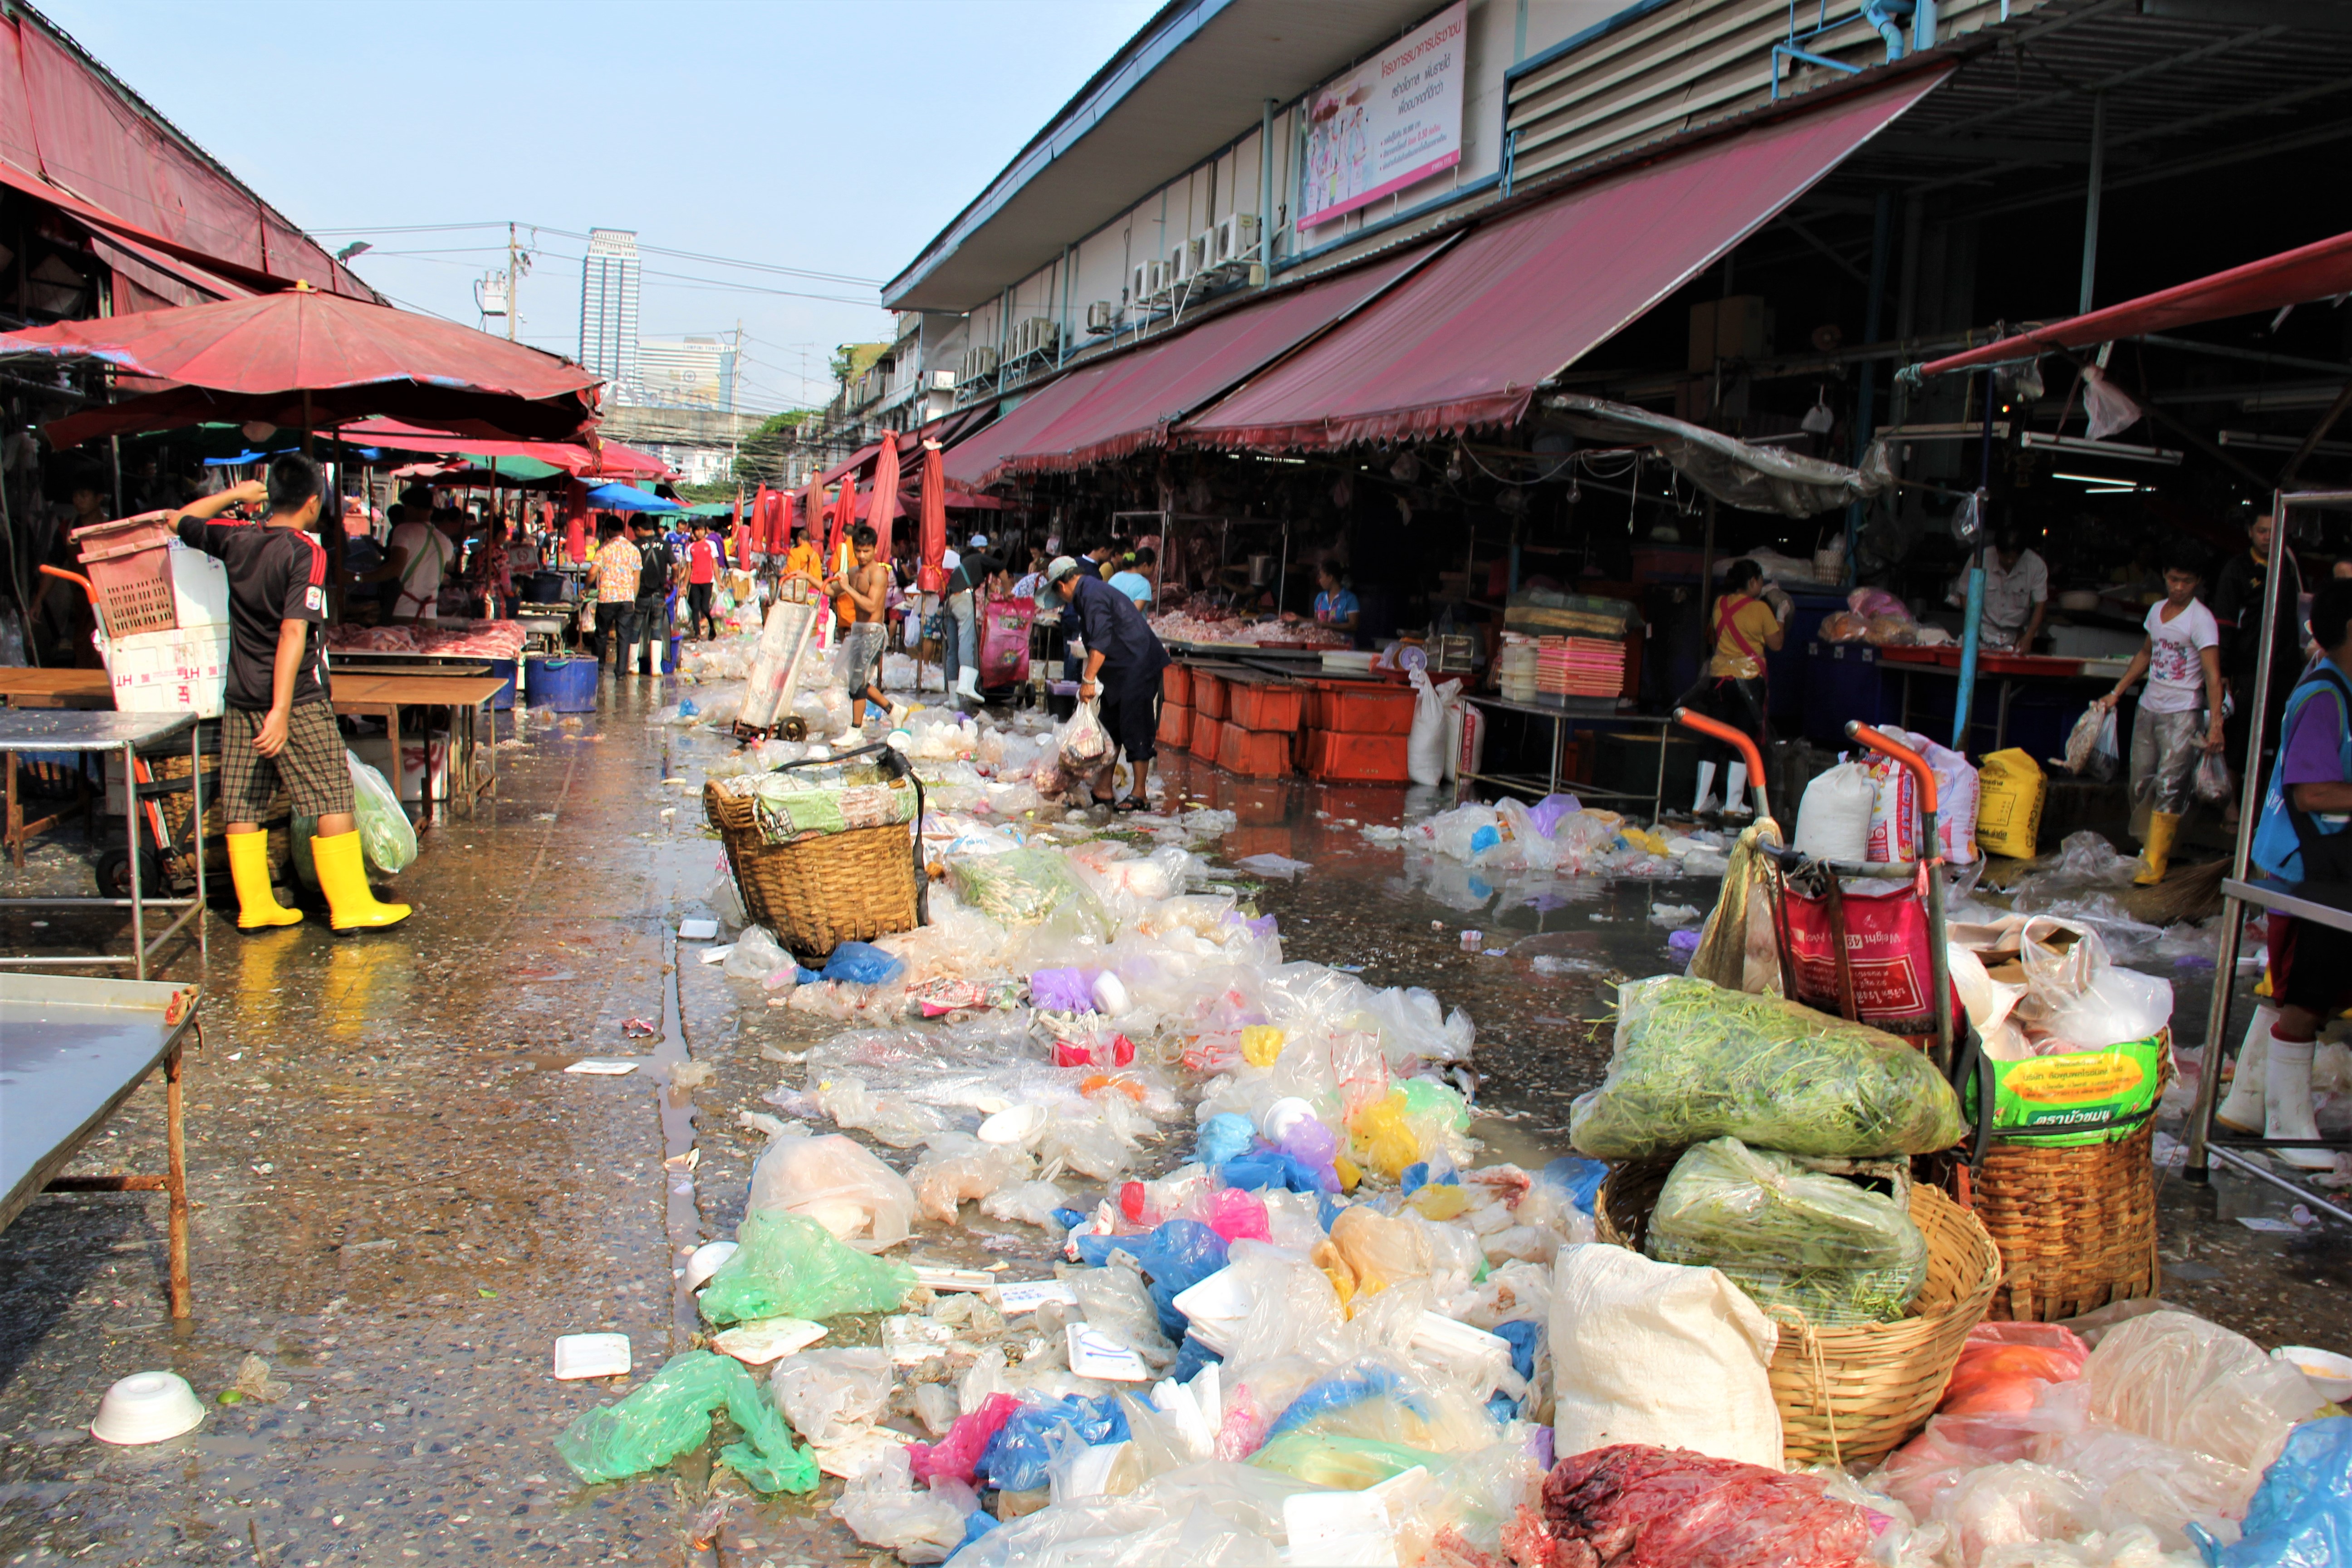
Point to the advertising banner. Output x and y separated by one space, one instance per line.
1393 120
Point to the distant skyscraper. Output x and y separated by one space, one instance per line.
608 309
686 373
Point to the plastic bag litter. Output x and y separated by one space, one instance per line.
862 963
789 1265
2081 998
1021 886
1026 1203
1739 946
1694 1061
1652 1353
1082 740
385 833
726 902
670 1415
836 1182
1632 1503
2195 1384
957 1168
2090 744
1795 1240
758 956
2212 783
1017 1455
882 1508
828 1395
902 1124
2004 1367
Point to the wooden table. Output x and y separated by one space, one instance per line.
44 688
383 696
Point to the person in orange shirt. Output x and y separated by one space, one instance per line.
1733 687
804 560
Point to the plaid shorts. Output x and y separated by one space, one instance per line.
311 764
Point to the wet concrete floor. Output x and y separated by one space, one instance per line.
400 1199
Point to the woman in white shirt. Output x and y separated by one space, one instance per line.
2180 712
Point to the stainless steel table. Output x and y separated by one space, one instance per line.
71 1050
74 730
1594 710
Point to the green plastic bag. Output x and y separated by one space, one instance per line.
788 1265
385 833
1795 1240
1020 887
1694 1061
671 1415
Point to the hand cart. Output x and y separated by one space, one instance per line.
764 719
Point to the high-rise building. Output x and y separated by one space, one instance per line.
686 373
608 309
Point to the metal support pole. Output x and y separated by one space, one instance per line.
131 826
2233 912
1865 413
1969 632
1265 191
2090 201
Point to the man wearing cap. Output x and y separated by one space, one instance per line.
1123 660
973 569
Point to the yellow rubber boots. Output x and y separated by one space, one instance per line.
257 908
2162 827
343 875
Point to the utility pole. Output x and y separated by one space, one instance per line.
511 282
734 375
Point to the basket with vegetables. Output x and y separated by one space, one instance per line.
1694 1061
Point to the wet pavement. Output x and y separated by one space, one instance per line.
400 1199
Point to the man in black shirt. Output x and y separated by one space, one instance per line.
278 725
1123 660
657 569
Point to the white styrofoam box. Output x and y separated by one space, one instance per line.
199 588
416 753
180 671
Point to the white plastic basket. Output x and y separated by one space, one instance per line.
180 671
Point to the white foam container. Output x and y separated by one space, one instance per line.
591 1355
147 1407
704 1261
2329 1373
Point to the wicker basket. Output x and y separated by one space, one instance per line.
2076 1226
820 892
1853 1393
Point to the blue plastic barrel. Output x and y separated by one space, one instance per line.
564 685
504 669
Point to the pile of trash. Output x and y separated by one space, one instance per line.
1559 834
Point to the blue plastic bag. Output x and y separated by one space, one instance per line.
1016 1458
1174 1257
862 963
2301 1513
1223 1136
1579 1178
1265 1166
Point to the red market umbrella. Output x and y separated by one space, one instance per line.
886 496
595 456
931 531
575 522
303 360
783 521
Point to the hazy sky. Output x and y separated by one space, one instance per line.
831 137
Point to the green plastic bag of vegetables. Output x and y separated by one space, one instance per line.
788 1265
1793 1239
671 1415
385 833
1694 1061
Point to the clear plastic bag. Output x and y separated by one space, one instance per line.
2212 783
789 1265
386 832
1633 1503
957 1167
882 1508
670 1415
1020 887
2195 1384
2091 747
757 956
1083 741
1793 1239
2082 998
836 1182
1694 1061
829 1395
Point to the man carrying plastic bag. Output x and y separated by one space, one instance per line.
1124 659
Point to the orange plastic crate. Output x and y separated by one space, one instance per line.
1208 694
1175 725
1253 754
1264 704
1358 707
1207 731
1339 757
1176 685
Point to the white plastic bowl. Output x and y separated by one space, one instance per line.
1017 1124
2329 1374
1280 1116
147 1407
704 1261
1110 994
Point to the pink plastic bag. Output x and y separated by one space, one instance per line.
1004 642
954 1454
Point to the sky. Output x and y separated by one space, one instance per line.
799 136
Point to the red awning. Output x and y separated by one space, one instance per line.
970 461
2318 271
1466 340
1140 395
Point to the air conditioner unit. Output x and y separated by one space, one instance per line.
1179 264
1237 238
1159 279
943 381
1203 247
1140 284
1102 316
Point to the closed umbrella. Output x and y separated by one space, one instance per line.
575 520
931 531
303 360
886 496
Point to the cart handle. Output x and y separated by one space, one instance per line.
1738 740
87 586
1858 730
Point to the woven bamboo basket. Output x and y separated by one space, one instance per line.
2075 1227
1854 1393
820 892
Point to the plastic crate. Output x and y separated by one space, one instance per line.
1202 742
1253 754
1175 725
1343 757
170 671
1176 685
1264 704
129 564
1355 708
1208 694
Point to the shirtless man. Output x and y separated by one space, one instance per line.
861 593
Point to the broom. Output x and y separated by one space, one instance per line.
2188 893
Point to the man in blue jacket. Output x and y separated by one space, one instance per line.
1124 659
